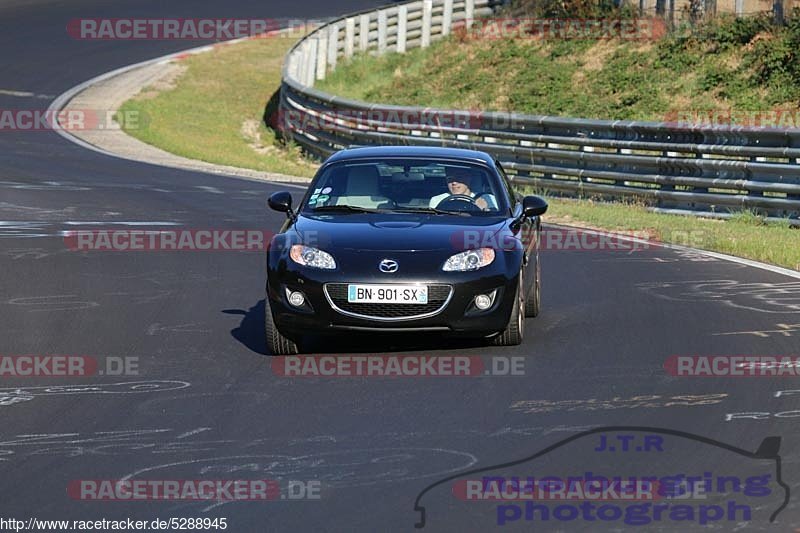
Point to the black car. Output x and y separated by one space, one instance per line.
404 239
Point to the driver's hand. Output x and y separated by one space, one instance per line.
483 204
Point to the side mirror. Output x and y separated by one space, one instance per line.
533 206
281 201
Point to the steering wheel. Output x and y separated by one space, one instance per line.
481 194
458 203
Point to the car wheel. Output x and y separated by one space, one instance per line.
533 300
276 342
512 335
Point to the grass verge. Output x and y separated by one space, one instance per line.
743 66
745 235
215 110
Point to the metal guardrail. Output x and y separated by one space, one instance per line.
697 169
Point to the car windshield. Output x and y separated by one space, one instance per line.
404 185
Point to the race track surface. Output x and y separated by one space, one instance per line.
208 404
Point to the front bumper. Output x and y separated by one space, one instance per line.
322 312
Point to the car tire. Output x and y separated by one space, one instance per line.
534 298
512 335
277 343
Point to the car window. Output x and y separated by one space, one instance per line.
512 195
408 184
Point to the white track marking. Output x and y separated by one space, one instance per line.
193 432
206 188
24 94
119 223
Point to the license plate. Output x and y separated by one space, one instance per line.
387 294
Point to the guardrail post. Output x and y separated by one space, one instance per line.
333 45
311 59
293 70
322 51
672 14
381 32
363 32
469 12
447 17
303 55
402 24
427 11
349 36
777 13
795 197
588 148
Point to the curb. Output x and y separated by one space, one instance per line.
178 162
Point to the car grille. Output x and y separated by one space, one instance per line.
438 296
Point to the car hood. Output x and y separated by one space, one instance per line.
370 232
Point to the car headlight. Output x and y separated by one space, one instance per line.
311 257
469 260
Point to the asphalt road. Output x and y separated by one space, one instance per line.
213 408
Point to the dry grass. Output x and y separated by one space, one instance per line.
212 109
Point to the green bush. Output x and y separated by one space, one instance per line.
568 9
724 63
728 30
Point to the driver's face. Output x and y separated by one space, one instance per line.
457 185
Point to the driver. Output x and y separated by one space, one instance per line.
459 182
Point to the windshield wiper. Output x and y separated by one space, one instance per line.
431 210
343 209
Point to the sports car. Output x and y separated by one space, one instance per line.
404 239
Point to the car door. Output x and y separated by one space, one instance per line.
528 232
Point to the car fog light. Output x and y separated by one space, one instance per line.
297 299
483 301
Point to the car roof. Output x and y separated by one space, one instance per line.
411 152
